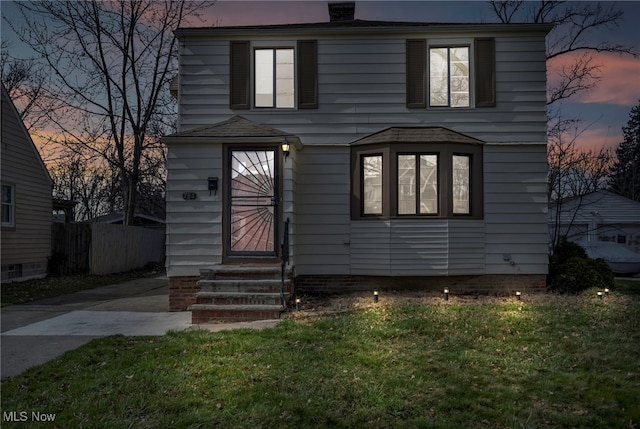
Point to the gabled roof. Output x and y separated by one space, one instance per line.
234 130
603 206
427 134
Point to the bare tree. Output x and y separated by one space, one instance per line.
573 22
88 182
573 172
110 65
26 80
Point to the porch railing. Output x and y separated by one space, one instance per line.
284 261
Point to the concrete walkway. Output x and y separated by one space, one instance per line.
37 332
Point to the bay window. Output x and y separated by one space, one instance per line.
409 179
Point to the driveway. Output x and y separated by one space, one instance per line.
35 333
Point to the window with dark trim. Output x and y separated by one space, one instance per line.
8 205
449 71
274 77
282 76
419 180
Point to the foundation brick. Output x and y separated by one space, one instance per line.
483 284
182 291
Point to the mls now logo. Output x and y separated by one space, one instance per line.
23 416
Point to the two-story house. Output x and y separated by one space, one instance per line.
383 154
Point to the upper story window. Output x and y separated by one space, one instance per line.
282 77
449 76
454 75
8 205
274 78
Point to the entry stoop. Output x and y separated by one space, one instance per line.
240 293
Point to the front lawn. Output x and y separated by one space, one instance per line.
409 361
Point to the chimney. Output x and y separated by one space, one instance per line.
344 11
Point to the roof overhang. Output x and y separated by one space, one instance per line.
426 134
362 27
235 130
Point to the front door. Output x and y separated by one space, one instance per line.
252 202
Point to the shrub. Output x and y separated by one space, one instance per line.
572 271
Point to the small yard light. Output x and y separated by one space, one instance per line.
606 291
446 294
600 294
297 304
518 295
375 296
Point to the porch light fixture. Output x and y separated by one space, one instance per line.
375 296
285 148
446 294
518 294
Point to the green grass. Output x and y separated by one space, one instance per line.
22 292
544 362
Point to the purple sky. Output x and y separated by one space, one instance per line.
606 108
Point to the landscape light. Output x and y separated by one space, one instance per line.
297 304
606 291
375 296
446 294
600 294
518 294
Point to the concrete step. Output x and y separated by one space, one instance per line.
243 285
203 313
239 298
255 272
240 293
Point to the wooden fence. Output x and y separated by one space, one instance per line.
100 248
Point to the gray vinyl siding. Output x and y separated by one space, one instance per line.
430 247
28 242
361 90
322 211
361 87
194 227
515 204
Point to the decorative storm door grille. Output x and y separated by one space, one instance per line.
253 203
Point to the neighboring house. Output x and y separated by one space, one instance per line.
139 219
416 155
26 201
600 216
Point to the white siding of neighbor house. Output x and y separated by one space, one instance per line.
361 86
29 241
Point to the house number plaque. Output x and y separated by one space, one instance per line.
188 195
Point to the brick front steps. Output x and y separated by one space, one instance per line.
240 293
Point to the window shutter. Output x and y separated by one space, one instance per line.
307 74
240 74
485 73
416 73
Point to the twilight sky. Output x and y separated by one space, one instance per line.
604 110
